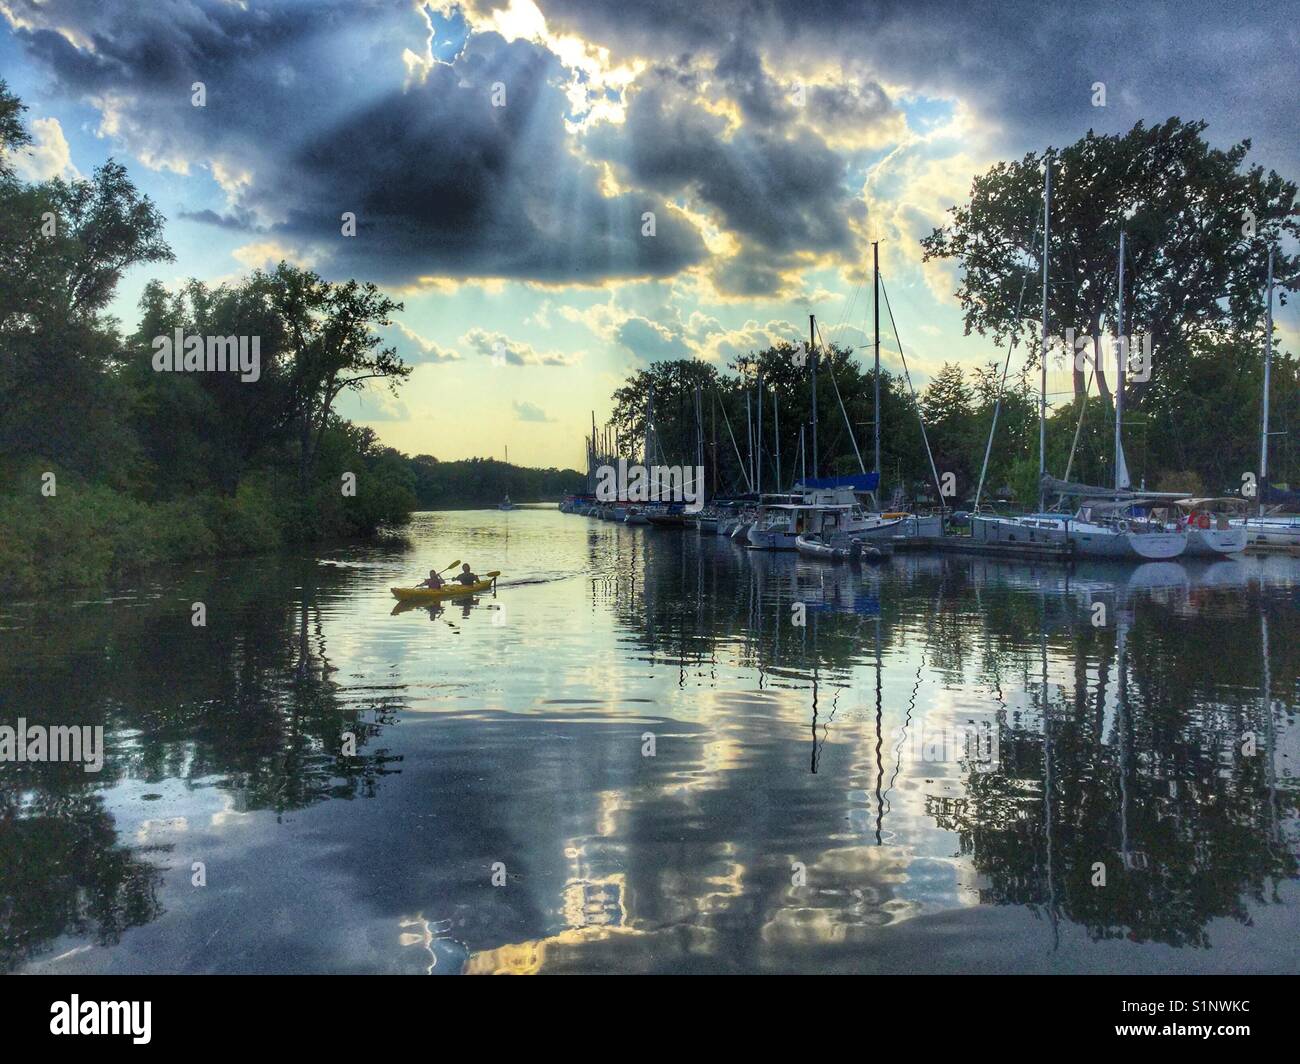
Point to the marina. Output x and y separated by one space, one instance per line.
751 488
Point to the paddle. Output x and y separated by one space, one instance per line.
451 566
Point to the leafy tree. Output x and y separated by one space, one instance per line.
63 248
206 429
1198 223
948 405
13 134
331 347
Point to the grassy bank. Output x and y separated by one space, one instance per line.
91 535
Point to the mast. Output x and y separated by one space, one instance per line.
713 423
812 351
749 431
699 438
758 468
875 275
1121 357
1042 391
648 460
1268 366
776 425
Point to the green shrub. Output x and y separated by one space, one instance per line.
254 520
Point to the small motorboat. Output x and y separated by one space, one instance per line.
812 546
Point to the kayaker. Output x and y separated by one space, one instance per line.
435 581
465 576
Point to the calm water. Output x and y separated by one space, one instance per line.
930 774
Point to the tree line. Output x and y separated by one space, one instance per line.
1198 223
108 465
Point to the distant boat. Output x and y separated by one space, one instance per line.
664 517
505 504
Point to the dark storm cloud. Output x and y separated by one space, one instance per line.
311 112
780 192
267 71
443 181
740 69
222 221
1027 67
301 126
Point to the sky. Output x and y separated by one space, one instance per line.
505 161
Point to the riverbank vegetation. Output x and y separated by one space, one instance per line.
108 465
477 482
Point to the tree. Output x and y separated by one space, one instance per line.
13 134
205 429
948 406
63 248
1198 224
331 347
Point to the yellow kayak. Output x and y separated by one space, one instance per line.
449 590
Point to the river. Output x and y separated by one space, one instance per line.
633 757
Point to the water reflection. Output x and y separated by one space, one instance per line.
804 807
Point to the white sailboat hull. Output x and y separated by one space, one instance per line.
1153 546
1011 531
1215 542
1277 531
1087 539
910 527
773 538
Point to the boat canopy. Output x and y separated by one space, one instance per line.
1225 502
1053 486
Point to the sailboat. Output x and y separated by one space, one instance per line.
829 510
1108 523
1268 529
1210 533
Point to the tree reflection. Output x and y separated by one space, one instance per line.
1126 755
246 704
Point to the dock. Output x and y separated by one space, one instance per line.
1285 549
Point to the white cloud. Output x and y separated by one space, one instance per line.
47 156
498 346
416 350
